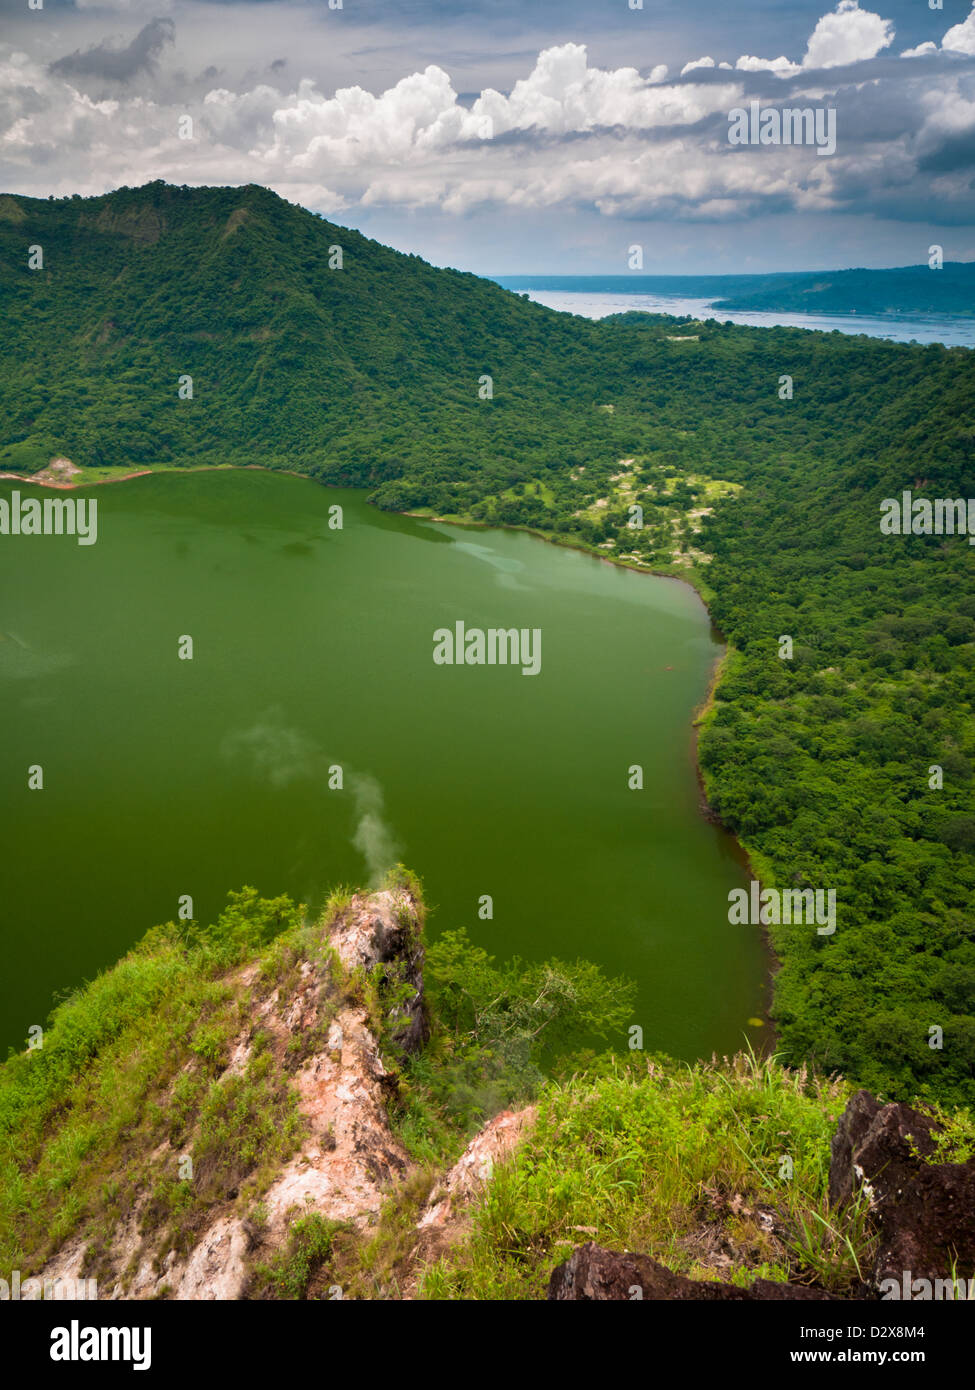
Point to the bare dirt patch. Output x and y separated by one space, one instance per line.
60 472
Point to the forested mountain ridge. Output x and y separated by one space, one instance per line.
372 375
909 289
289 348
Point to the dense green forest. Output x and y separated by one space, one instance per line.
373 375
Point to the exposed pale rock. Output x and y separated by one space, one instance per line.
348 1156
474 1168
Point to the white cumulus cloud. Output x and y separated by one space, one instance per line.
961 37
697 63
847 35
782 66
566 135
421 115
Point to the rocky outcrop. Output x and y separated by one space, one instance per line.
474 1168
924 1211
348 1156
445 1218
876 1145
382 929
592 1274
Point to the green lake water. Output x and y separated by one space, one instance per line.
312 648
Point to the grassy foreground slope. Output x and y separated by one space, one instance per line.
133 1062
718 1170
372 375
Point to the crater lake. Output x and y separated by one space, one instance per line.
168 776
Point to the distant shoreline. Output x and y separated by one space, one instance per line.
38 480
599 298
35 481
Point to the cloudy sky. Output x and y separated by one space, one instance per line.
544 136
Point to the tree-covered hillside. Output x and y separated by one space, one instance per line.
909 289
359 371
371 374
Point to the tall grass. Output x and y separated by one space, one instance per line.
718 1171
131 1062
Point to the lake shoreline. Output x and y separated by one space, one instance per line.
744 855
905 329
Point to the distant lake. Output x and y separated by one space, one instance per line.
597 304
313 648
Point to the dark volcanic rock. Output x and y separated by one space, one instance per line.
381 929
592 1274
924 1212
932 1229
876 1140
